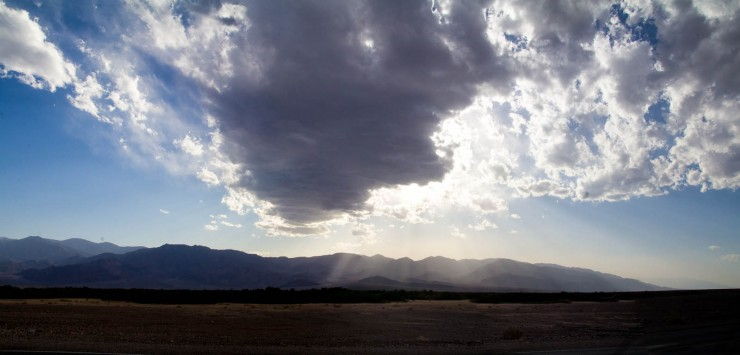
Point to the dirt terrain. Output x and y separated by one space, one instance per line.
681 325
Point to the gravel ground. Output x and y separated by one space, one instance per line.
417 326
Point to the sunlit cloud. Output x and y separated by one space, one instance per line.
219 221
483 225
608 103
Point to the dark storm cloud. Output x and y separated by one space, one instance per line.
325 117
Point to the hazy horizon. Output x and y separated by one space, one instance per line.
671 282
596 135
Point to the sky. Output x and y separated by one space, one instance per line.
590 134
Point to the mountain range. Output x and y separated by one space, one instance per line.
36 261
36 252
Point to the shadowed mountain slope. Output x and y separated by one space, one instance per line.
42 249
197 267
37 252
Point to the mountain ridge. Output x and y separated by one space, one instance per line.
199 267
37 252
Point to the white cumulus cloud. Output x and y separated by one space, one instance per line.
26 54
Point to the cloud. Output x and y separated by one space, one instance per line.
730 258
515 216
362 234
218 221
208 177
714 247
483 225
164 211
327 118
26 54
232 225
86 92
585 128
367 232
408 109
200 48
190 145
121 83
457 233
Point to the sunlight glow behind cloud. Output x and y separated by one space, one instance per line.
312 127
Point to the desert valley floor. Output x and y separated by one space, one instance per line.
702 323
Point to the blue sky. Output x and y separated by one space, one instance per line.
144 124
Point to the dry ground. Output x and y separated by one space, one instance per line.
417 326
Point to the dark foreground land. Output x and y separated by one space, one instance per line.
700 322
